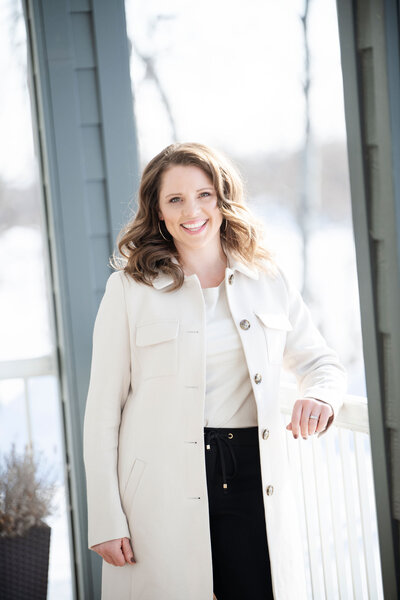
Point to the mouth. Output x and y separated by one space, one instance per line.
195 226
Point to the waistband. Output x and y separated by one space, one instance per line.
225 439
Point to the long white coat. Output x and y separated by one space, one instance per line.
143 428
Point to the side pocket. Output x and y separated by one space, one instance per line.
133 482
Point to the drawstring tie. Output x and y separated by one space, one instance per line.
222 440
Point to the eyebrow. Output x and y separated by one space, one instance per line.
200 190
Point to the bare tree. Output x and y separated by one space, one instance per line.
149 60
305 206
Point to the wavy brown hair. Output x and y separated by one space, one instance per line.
146 253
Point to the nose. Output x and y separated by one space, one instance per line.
191 207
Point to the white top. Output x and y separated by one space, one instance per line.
229 398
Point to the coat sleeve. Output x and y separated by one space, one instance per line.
318 370
108 389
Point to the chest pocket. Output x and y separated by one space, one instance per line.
157 347
275 326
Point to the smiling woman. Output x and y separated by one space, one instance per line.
183 413
191 199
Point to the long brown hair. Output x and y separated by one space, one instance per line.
146 253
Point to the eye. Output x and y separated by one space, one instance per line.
174 200
206 193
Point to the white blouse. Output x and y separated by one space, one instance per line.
229 398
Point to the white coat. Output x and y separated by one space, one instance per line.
143 427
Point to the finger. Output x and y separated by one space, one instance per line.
127 550
111 552
296 415
119 560
289 427
326 412
105 556
110 558
313 423
115 554
119 553
307 406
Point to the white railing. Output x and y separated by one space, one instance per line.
23 406
334 486
24 370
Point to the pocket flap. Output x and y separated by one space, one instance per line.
155 333
275 321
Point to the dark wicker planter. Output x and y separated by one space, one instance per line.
24 565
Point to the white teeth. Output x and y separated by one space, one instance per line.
194 225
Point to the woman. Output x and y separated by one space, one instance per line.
188 485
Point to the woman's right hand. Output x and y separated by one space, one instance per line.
116 552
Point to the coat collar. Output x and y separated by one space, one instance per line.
234 264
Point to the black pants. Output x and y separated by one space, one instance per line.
241 568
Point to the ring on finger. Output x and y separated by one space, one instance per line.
313 417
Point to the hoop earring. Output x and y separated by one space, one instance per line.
161 233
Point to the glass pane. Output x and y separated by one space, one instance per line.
235 76
29 396
232 75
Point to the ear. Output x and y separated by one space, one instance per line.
160 216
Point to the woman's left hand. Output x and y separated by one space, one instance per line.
301 422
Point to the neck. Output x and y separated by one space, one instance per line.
208 264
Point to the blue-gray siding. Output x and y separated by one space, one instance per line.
370 105
86 139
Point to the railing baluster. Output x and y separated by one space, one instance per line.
324 515
350 494
338 518
311 510
297 479
367 507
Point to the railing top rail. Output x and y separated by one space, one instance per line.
27 367
353 414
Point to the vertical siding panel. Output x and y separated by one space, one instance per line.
85 184
88 97
370 43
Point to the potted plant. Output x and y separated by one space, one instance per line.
26 498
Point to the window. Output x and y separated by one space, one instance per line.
30 411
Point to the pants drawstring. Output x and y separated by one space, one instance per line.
222 441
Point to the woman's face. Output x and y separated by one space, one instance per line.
188 206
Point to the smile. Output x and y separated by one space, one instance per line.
195 226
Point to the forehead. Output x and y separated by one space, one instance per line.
184 176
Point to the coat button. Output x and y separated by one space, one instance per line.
265 434
231 278
270 490
245 324
258 378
